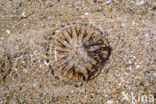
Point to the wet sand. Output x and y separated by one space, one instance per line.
128 76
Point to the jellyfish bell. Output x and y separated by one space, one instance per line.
79 52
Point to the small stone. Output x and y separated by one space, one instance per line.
14 55
52 71
110 102
148 78
79 84
16 69
155 36
122 79
52 4
34 85
25 70
102 84
147 35
46 63
23 14
57 78
108 2
8 31
130 68
49 17
53 33
138 42
138 66
86 13
128 62
154 8
94 1
140 3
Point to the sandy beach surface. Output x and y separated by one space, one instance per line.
128 77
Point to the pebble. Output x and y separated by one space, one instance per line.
46 63
52 4
49 17
25 71
34 85
140 3
86 13
110 102
148 78
137 66
23 14
147 35
108 2
122 79
138 42
128 62
155 36
14 55
94 1
8 31
57 78
16 69
102 84
130 68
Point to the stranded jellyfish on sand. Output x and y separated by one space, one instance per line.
79 51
